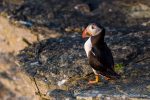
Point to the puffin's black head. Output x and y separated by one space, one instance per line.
92 30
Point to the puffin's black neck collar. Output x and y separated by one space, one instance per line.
98 39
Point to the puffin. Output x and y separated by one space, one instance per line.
98 53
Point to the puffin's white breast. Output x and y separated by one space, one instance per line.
88 46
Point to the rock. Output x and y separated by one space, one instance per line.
83 8
71 56
60 94
11 37
62 63
28 24
10 94
146 23
140 11
17 2
58 15
73 69
12 85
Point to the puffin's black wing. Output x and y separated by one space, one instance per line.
94 62
101 60
105 56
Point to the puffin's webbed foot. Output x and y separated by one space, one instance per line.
107 78
95 81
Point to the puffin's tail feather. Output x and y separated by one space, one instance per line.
112 74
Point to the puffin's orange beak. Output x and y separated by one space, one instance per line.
85 34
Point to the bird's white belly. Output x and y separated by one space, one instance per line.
88 46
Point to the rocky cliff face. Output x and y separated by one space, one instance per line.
55 66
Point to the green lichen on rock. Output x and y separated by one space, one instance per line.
119 67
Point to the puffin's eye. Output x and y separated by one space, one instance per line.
93 27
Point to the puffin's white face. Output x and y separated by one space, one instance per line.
91 30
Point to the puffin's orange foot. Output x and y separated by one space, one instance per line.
107 78
95 81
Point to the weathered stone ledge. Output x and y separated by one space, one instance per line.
60 68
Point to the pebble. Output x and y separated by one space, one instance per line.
83 8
